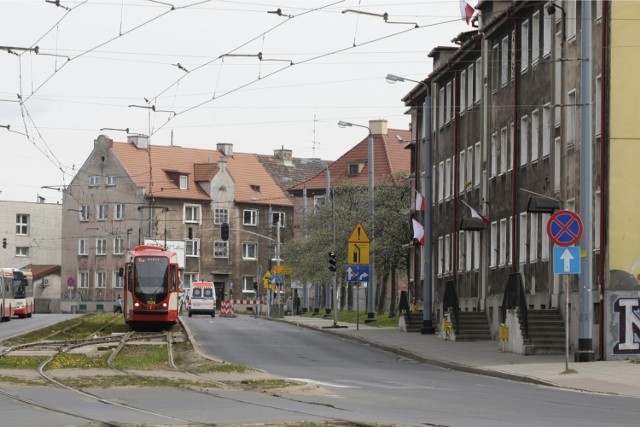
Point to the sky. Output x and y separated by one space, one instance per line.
261 75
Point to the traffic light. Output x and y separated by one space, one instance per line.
190 233
332 261
4 242
224 231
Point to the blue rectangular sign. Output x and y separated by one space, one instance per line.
357 272
566 260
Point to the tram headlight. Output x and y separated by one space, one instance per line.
136 304
165 305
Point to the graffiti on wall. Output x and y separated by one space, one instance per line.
628 309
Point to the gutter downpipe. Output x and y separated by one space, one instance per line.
515 256
603 172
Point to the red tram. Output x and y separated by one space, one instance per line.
151 285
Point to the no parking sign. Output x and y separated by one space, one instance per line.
564 228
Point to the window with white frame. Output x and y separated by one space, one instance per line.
571 18
447 179
544 240
502 251
523 237
510 240
477 152
598 105
478 84
101 279
83 246
83 279
533 239
318 200
118 211
221 249
494 155
493 250
111 181
220 215
546 36
524 143
469 248
461 250
557 77
192 214
183 182
84 212
22 251
504 153
188 279
118 280
94 181
249 250
469 175
448 103
22 224
440 255
511 137
596 221
495 69
461 170
278 217
513 56
447 253
463 91
535 135
535 38
192 248
247 283
440 181
433 182
546 130
557 161
118 246
101 246
101 212
441 107
470 80
524 46
598 10
476 250
250 217
571 117
504 62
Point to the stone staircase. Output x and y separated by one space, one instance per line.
472 326
546 332
413 322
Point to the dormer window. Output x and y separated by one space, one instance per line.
183 182
355 168
255 188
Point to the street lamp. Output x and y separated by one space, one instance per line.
371 287
427 311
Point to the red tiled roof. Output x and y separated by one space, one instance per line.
164 164
390 157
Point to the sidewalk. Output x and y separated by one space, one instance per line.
485 357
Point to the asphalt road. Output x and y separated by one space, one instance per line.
391 389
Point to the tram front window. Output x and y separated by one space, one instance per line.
151 275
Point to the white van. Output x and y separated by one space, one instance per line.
202 299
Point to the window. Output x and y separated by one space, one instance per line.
546 36
596 221
220 249
183 182
220 215
535 135
22 251
278 217
94 181
84 212
493 250
524 46
478 84
511 137
598 10
192 248
461 170
118 246
494 155
118 211
502 252
249 250
192 213
510 240
247 283
469 246
22 224
598 105
571 117
533 240
535 37
188 279
83 279
469 175
463 91
476 250
448 103
250 217
111 181
118 281
101 212
101 246
504 153
478 163
544 241
101 279
470 79
546 130
504 62
83 246
524 144
440 255
557 156
447 179
523 238
495 57
441 107
571 18
461 250
557 78
440 181
447 253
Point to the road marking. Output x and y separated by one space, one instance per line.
326 384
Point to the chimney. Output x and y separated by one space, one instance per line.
378 127
140 141
285 155
222 165
225 148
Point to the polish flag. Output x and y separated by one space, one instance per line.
420 202
466 10
418 232
475 214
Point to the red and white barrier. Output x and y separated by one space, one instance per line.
226 309
247 301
